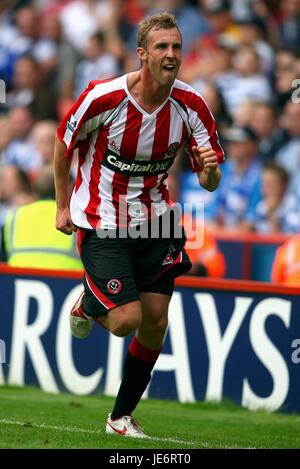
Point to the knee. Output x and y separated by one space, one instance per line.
152 332
126 321
161 326
157 323
124 328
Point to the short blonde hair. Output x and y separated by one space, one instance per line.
160 21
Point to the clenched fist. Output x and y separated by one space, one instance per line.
206 157
64 222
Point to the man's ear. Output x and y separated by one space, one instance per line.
142 53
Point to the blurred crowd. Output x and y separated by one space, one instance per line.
243 56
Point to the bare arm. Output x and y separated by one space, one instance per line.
61 174
210 177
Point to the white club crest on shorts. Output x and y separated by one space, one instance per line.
114 286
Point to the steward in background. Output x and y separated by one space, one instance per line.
286 265
30 237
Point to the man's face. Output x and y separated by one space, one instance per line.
264 121
291 118
272 184
241 151
163 55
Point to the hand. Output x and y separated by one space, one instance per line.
64 222
206 157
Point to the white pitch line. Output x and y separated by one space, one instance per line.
49 427
85 430
45 426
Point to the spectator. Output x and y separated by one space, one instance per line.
216 104
97 63
219 17
12 43
19 150
289 26
82 18
264 122
30 89
118 31
243 114
252 33
285 73
246 82
39 245
277 211
46 50
56 56
288 155
30 31
286 265
268 13
208 59
15 190
240 185
211 53
6 135
43 137
26 22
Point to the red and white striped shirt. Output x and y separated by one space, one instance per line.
125 152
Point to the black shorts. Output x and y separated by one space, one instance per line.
118 269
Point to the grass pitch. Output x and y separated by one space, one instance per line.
30 418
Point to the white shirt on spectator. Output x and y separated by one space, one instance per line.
79 23
22 154
106 66
289 157
236 89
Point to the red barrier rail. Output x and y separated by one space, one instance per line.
184 281
235 285
6 269
250 237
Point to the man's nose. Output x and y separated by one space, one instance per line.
170 52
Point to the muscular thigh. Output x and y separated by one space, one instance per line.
123 319
109 279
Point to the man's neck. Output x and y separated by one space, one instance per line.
146 92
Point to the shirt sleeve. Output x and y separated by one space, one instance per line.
83 117
204 131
